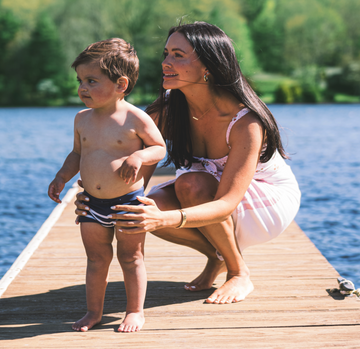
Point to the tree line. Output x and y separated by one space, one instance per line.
290 51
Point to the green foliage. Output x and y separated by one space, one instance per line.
267 83
44 53
65 28
291 34
311 94
80 23
349 11
306 86
342 98
9 26
251 9
345 80
43 69
236 28
288 92
283 46
268 36
315 35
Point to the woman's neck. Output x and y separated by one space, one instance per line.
199 103
207 102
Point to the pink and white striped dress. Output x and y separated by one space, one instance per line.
270 203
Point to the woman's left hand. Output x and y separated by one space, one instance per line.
138 219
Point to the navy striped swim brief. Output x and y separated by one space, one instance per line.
100 208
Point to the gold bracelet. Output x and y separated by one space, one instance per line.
183 219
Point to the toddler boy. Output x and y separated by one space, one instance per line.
112 141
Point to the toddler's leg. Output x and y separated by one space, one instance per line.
97 241
130 252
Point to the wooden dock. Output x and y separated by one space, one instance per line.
290 308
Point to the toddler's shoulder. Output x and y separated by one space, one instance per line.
138 113
83 113
81 118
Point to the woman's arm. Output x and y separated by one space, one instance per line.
246 142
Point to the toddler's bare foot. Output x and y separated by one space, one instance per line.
235 289
133 322
205 280
87 322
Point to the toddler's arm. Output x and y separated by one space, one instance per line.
154 149
68 170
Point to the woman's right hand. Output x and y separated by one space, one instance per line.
80 203
137 219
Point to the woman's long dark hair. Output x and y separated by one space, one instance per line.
216 52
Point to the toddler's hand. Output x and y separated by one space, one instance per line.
130 168
55 188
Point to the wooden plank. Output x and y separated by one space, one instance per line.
290 306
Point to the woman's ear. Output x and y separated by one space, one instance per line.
122 84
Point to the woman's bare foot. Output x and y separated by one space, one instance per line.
205 280
133 322
87 322
235 289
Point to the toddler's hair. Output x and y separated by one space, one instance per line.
116 58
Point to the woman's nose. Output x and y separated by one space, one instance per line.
166 62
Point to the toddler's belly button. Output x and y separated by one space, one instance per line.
98 187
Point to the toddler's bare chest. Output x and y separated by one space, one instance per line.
113 137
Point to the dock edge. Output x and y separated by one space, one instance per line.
34 243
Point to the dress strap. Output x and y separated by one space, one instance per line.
238 116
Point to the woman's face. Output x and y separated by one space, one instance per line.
182 68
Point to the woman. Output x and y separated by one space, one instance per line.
231 174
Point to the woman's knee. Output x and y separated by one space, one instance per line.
195 188
165 198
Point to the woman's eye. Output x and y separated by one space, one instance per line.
178 55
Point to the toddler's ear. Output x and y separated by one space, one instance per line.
122 84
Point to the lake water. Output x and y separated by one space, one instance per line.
323 141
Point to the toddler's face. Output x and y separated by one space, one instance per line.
96 90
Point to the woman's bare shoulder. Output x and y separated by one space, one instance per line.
249 126
247 116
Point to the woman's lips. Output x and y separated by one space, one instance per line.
169 75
